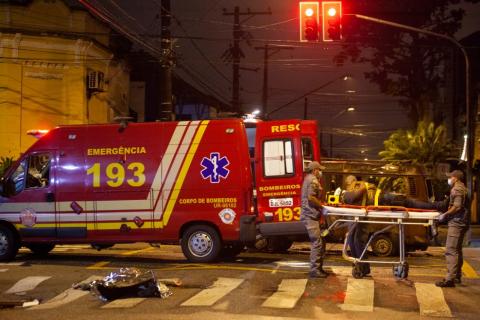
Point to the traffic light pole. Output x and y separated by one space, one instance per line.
468 110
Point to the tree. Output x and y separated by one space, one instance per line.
427 146
5 163
404 64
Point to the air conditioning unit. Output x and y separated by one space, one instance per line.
95 80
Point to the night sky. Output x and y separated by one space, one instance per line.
358 134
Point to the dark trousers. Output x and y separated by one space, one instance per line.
453 250
317 248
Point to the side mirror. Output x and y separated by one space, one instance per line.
7 187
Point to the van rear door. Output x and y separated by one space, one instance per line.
279 170
283 148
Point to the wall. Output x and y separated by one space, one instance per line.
43 72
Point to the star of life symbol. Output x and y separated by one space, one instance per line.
215 167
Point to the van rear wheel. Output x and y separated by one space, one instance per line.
8 247
40 249
385 245
201 243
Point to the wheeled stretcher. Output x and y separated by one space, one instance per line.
388 216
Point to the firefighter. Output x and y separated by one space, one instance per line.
457 216
311 217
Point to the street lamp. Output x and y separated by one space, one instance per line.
343 111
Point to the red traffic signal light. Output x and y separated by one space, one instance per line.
309 21
332 20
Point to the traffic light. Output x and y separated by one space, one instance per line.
309 21
332 20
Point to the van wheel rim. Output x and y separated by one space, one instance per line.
382 246
200 244
3 243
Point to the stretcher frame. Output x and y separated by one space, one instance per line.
391 216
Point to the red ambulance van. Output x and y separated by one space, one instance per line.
155 182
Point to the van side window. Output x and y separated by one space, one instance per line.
277 158
38 171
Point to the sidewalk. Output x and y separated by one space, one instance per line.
472 238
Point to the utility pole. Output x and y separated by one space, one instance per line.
305 108
236 52
266 55
166 107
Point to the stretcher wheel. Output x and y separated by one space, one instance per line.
401 271
357 271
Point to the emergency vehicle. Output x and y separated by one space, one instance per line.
192 181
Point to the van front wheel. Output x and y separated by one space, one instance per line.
201 243
8 247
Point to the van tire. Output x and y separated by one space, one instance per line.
40 249
8 245
385 245
201 243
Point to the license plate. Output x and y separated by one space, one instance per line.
282 202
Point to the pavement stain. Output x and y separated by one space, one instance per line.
336 297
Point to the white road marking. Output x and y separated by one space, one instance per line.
431 300
26 284
66 296
288 293
12 263
218 290
359 295
123 303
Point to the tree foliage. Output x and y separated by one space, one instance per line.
5 163
404 64
428 145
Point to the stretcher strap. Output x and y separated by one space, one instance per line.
377 196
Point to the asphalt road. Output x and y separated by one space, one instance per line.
254 285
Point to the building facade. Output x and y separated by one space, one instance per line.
56 68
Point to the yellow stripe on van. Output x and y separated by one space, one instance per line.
183 172
36 226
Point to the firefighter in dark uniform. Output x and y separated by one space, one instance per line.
311 215
457 216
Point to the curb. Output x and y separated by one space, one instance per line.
474 243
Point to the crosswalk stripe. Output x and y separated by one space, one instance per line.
468 270
66 296
220 288
431 300
359 295
288 293
123 303
26 284
12 263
